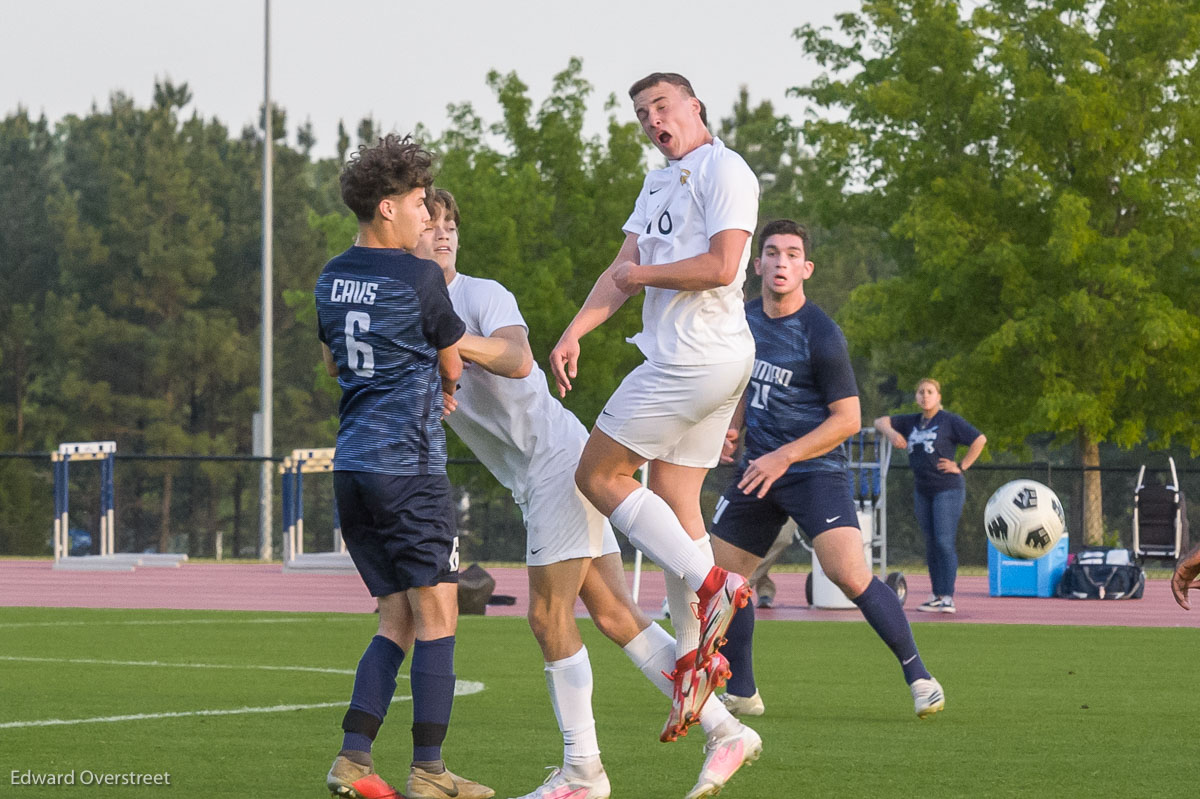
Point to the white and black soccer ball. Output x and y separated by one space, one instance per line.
1024 519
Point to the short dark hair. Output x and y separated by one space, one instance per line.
785 227
440 198
673 78
393 166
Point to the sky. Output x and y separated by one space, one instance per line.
350 59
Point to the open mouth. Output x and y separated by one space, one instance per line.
664 139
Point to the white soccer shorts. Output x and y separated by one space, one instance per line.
560 524
677 414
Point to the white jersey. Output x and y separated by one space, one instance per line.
679 209
515 427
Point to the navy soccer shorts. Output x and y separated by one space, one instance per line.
818 501
400 530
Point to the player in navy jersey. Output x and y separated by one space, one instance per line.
932 438
801 404
388 334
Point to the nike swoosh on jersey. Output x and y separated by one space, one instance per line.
655 191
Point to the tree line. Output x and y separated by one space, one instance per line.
1002 195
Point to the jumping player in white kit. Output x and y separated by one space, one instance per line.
531 444
687 244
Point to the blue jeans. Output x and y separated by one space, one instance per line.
938 515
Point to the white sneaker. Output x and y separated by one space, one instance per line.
723 757
561 786
937 604
928 697
743 705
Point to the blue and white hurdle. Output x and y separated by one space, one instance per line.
109 559
103 451
295 559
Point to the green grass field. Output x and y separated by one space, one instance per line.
1031 711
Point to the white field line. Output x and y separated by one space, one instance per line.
461 688
162 664
10 625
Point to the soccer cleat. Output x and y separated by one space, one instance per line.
723 757
424 784
743 705
559 785
717 600
693 686
928 697
350 780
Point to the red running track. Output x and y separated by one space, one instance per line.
264 587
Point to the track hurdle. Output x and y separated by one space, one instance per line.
292 471
103 451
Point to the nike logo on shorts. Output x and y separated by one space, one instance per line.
535 551
655 191
833 519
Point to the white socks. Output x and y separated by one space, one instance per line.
680 599
648 521
653 652
570 684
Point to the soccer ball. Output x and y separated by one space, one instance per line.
1024 519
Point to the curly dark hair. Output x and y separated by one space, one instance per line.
393 166
784 227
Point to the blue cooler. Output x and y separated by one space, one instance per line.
1012 577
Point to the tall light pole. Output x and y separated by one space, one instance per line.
263 442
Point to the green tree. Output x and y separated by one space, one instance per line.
1034 165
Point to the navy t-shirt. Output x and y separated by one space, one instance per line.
931 439
385 314
801 365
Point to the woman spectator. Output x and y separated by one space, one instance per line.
932 438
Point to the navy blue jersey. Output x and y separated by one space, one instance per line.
801 365
385 313
931 439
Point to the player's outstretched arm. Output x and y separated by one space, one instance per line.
845 419
505 353
1184 578
601 303
716 268
884 425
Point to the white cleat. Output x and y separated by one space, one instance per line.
723 757
928 697
743 705
560 785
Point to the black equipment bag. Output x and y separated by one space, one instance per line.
1091 576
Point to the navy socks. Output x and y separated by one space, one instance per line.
374 685
433 696
883 611
739 649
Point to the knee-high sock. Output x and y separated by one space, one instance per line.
883 611
570 684
653 652
739 649
681 600
652 526
433 696
374 685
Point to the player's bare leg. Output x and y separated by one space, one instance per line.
553 589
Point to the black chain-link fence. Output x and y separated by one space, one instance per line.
189 504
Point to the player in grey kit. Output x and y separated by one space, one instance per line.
801 404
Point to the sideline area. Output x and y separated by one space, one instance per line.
264 586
